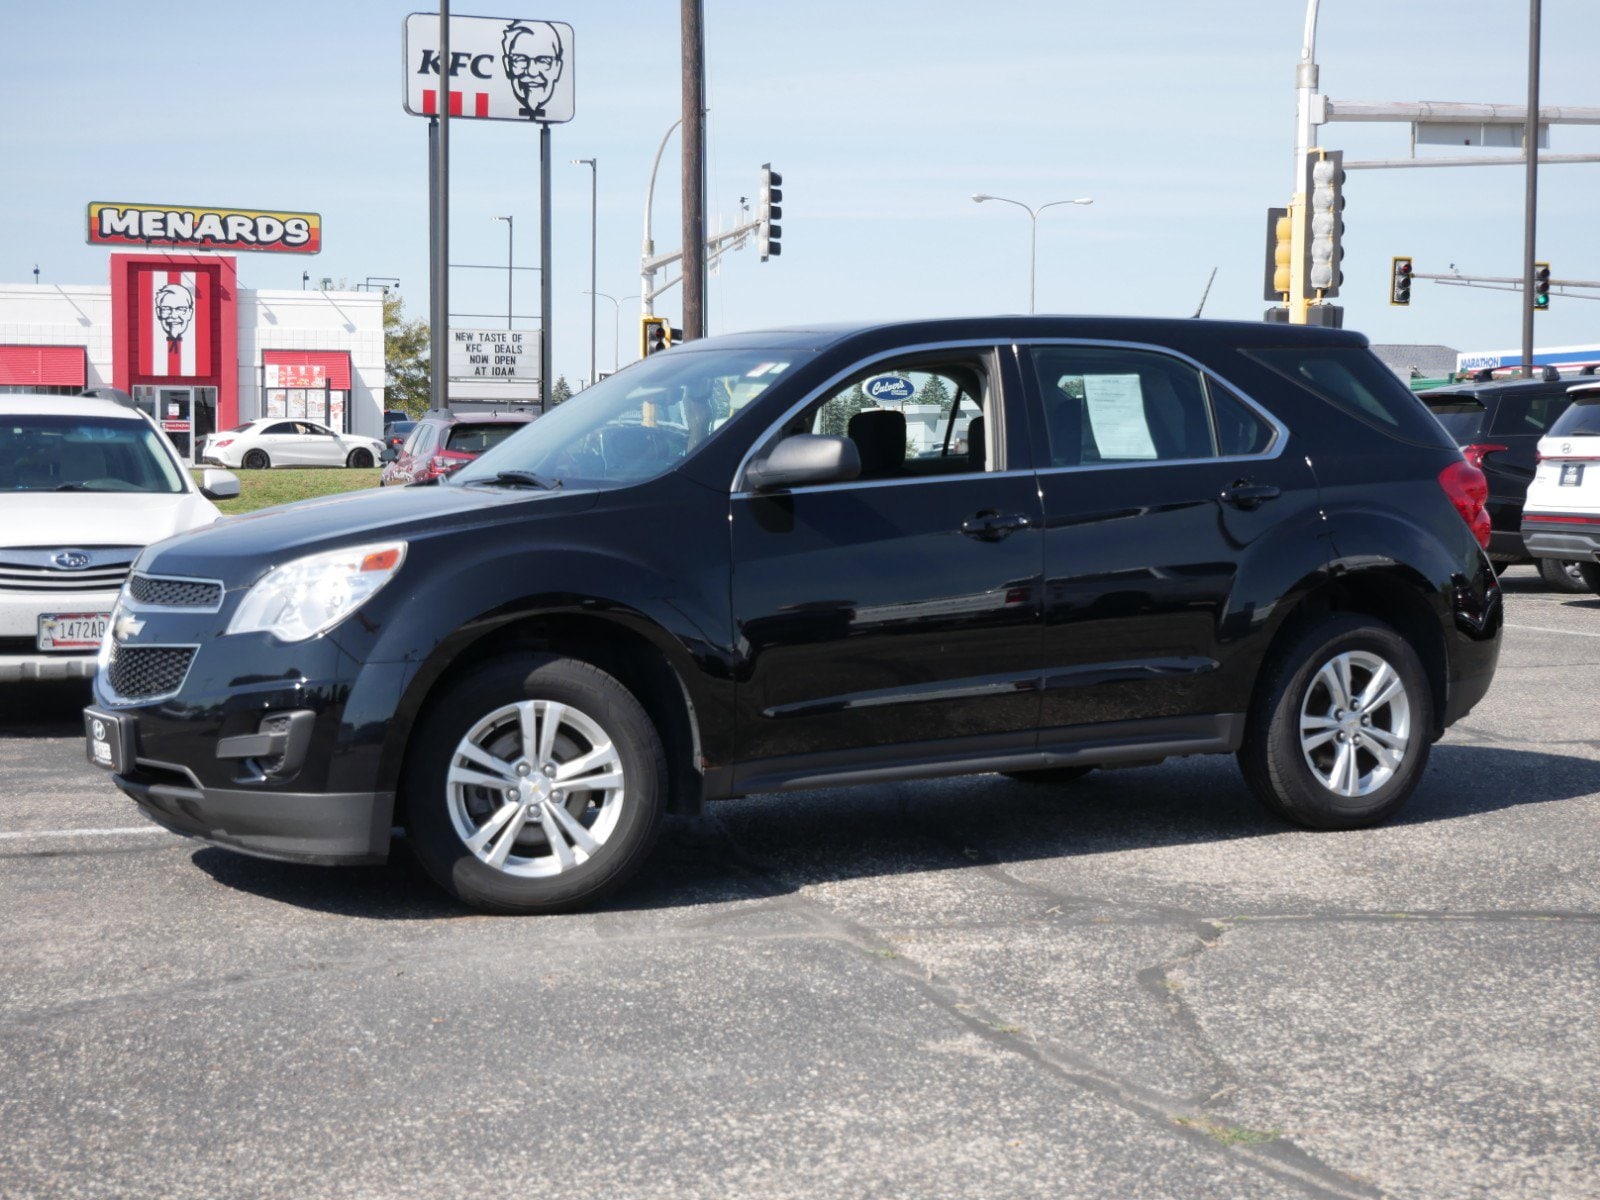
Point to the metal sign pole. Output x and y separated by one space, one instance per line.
439 333
544 263
1530 200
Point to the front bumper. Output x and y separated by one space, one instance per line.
326 828
30 668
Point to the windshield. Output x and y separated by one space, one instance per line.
637 424
1580 420
83 454
1461 416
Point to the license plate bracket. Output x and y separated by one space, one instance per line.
72 631
108 740
1572 474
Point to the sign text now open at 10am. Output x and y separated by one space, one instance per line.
510 355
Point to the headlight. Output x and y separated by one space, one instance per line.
301 599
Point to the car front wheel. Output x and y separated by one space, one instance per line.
1338 735
537 786
359 458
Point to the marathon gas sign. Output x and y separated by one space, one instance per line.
183 228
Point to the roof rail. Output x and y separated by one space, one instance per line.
110 393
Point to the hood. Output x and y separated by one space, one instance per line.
239 550
70 519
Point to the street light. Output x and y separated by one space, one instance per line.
1033 218
511 273
594 184
616 332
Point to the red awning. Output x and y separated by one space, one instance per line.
42 366
335 364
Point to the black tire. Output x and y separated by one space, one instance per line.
255 460
1048 774
438 811
1561 575
1279 767
359 458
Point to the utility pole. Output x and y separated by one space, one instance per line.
439 333
1305 90
694 179
1530 150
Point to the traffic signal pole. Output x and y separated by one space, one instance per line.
694 179
1530 150
1305 90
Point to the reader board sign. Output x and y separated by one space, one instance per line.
494 355
501 68
196 228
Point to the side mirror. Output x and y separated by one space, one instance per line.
389 454
805 458
218 485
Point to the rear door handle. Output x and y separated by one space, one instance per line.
991 526
1246 495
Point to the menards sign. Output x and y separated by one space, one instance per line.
204 228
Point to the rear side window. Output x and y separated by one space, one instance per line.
475 439
1580 420
1461 416
1527 414
1353 380
1110 404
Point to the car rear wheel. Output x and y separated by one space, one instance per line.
1573 577
1338 735
1048 774
359 458
256 460
537 786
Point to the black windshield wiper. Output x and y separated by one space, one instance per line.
526 479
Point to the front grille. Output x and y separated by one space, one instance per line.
174 593
31 572
147 672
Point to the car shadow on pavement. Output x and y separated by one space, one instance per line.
55 709
773 844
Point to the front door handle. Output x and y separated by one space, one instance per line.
1246 495
991 525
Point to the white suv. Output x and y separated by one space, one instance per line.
1561 517
86 482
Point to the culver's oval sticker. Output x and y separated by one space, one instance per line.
889 387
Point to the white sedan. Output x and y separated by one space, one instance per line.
277 442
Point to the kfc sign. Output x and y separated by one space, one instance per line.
204 228
501 68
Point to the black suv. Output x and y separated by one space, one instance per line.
1498 426
721 571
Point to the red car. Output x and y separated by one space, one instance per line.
441 442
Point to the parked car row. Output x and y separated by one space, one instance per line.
715 572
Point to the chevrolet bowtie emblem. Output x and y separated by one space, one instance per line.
127 626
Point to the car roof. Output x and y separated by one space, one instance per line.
36 403
1158 330
1488 390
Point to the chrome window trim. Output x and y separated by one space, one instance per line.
737 488
129 602
1280 431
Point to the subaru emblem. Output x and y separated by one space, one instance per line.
70 560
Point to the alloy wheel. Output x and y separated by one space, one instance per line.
535 788
1355 723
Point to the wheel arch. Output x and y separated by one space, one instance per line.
630 651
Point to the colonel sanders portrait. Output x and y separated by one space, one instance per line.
532 56
174 310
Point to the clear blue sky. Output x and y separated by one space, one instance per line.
884 118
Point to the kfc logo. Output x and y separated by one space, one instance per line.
532 56
174 312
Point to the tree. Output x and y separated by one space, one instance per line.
405 359
838 410
935 392
560 390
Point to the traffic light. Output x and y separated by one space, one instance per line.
1541 286
654 335
1325 210
1400 280
1280 252
771 211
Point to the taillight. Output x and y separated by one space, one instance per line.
222 443
1478 451
1469 492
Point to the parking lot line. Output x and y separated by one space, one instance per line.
133 831
1547 629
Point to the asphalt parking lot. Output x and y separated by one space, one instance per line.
1136 985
